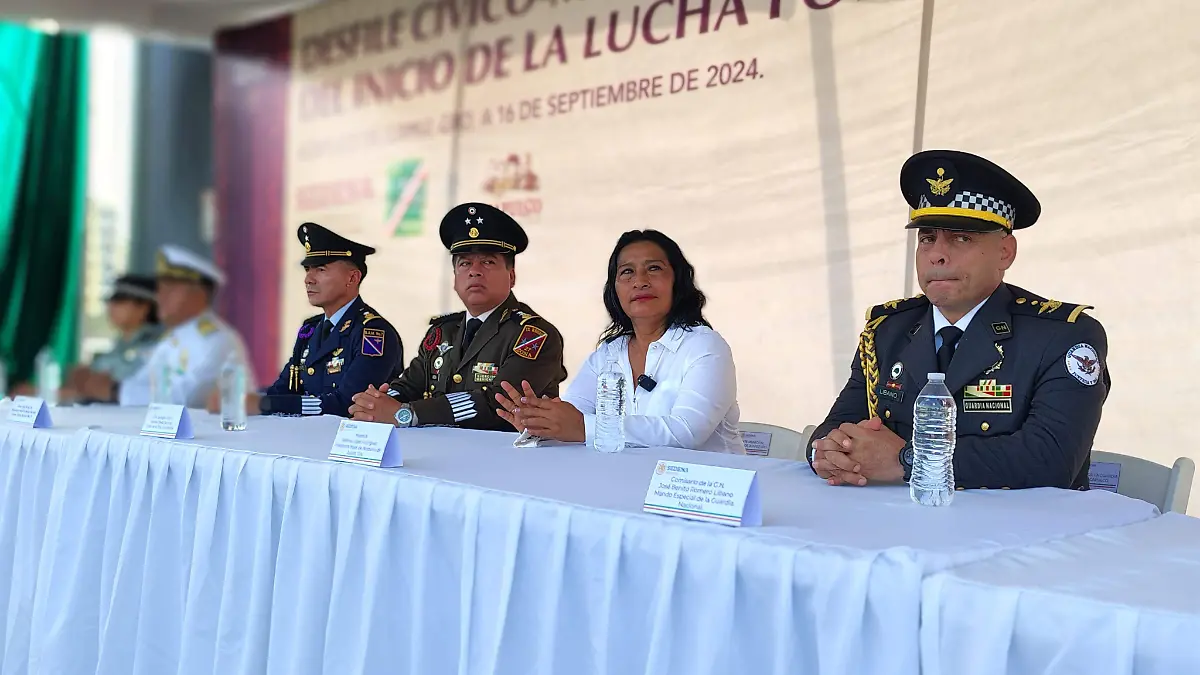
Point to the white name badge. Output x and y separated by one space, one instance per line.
167 421
1104 475
30 412
710 493
367 443
757 442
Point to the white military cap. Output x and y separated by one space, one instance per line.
179 263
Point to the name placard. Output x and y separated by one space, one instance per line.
30 412
712 494
367 443
757 442
1104 476
167 421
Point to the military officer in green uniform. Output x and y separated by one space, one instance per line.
1028 374
465 356
132 311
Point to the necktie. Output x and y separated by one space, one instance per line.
950 336
326 329
472 328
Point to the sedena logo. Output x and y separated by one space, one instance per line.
661 468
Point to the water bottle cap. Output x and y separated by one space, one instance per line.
937 377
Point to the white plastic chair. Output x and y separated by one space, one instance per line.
784 443
1168 488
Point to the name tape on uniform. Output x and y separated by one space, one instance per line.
164 420
28 411
712 494
367 443
757 442
1104 476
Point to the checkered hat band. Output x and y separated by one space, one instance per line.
972 201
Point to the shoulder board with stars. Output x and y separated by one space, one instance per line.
444 318
896 306
1032 305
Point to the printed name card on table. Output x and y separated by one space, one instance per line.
757 442
712 494
30 412
168 421
367 443
1104 475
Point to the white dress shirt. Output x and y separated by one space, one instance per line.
190 358
940 322
694 404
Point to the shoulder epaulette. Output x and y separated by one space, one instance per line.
1032 305
524 317
368 316
894 306
314 319
444 318
206 326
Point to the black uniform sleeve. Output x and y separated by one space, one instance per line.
850 406
1054 445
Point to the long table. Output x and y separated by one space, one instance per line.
249 553
1121 601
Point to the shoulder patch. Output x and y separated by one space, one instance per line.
530 342
444 318
206 327
372 342
894 306
1046 308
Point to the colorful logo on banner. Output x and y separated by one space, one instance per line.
514 174
404 201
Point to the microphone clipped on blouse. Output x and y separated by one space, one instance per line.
646 382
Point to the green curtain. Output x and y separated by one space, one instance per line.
43 183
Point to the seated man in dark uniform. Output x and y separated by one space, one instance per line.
341 351
466 355
1028 374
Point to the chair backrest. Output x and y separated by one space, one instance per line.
1168 488
780 442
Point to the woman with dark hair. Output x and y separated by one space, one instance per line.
682 385
133 313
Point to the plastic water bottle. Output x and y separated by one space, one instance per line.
233 394
933 442
610 409
161 381
49 376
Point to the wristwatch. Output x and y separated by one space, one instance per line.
906 460
405 417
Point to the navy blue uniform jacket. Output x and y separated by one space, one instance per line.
322 377
1029 376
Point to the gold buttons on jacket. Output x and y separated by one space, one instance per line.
985 426
887 414
312 371
457 378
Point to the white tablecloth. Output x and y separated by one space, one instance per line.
1123 601
135 555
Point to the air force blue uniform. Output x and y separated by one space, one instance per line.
323 374
335 358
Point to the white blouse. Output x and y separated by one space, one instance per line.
694 403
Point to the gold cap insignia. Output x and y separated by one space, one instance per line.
473 232
307 246
940 185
